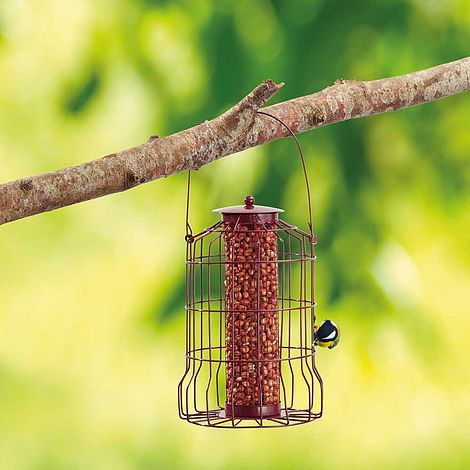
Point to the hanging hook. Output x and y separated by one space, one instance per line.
189 231
291 132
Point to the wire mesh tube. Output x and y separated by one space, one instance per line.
252 321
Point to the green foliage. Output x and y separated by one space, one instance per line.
92 320
78 98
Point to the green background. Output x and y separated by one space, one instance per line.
91 296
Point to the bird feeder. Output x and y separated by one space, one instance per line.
250 320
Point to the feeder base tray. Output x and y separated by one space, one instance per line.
252 411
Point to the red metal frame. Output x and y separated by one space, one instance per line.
201 391
203 399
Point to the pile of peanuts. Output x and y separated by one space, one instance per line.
252 320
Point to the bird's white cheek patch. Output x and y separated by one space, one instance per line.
331 335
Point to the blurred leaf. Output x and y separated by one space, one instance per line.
82 95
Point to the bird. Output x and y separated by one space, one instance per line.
327 335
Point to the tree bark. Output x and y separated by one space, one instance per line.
235 130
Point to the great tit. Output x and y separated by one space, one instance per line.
327 336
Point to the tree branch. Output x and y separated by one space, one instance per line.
235 130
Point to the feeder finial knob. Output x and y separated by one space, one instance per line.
249 202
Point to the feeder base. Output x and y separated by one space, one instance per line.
252 411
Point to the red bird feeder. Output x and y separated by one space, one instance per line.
250 319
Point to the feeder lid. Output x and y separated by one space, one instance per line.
248 208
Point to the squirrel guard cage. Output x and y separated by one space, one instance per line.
250 320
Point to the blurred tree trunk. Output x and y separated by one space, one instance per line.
237 129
